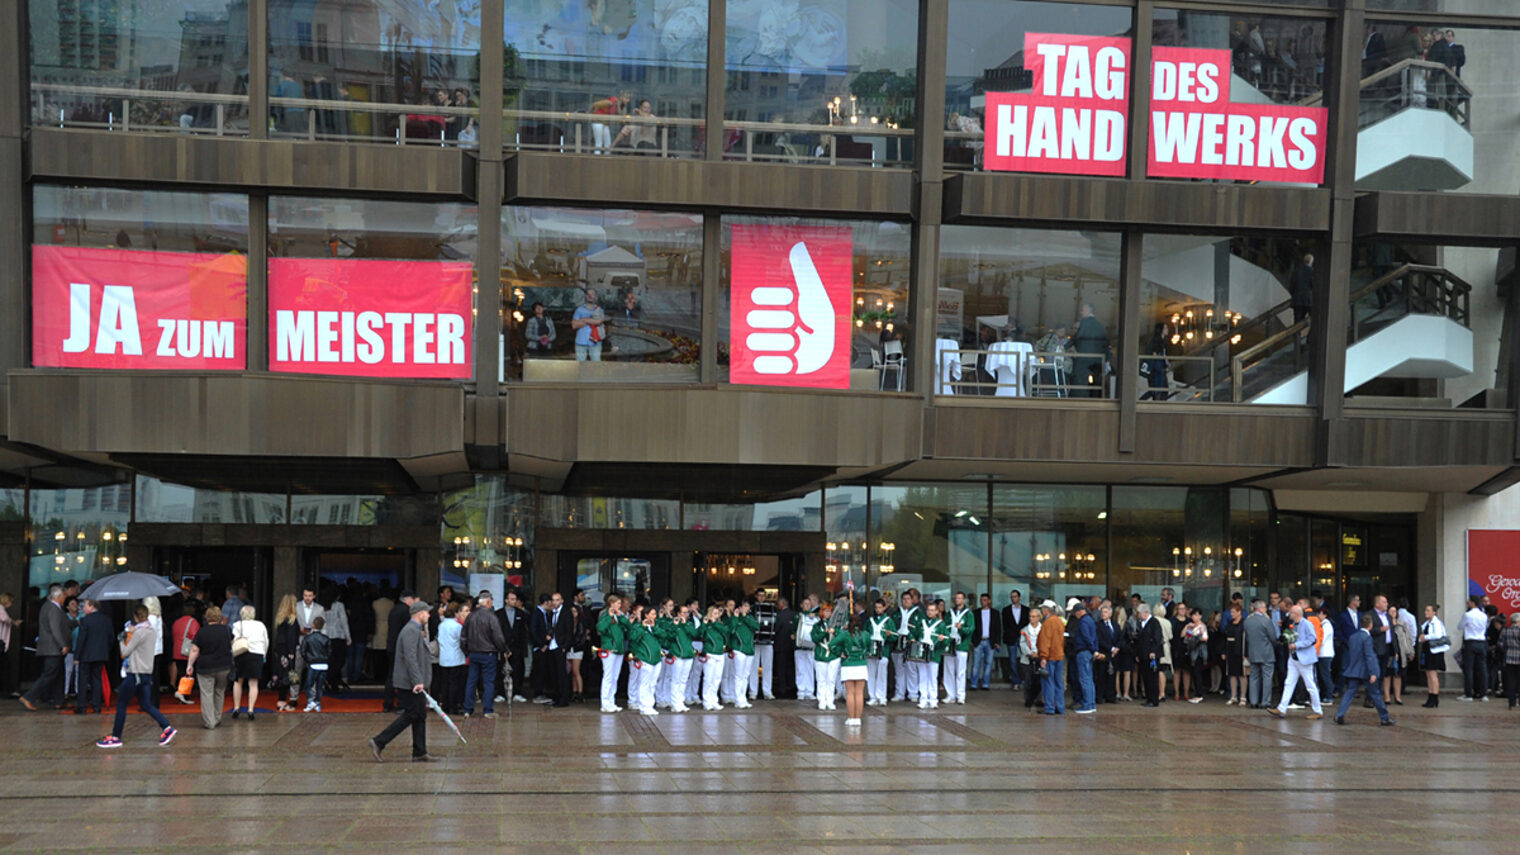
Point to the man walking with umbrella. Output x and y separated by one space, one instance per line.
411 670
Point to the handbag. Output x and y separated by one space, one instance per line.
239 644
185 687
185 644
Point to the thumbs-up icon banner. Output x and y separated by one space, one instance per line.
790 315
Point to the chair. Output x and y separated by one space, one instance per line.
892 360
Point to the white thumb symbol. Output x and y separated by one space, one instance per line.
799 324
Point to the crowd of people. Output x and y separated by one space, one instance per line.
1276 654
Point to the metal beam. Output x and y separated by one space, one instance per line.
717 78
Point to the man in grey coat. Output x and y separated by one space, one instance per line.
1261 652
53 632
411 670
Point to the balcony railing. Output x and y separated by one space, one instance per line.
1021 373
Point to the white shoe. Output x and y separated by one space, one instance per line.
743 705
501 699
711 707
309 708
1086 712
519 699
770 697
681 708
852 722
649 711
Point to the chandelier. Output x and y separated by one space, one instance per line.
1201 322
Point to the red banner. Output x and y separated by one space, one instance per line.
789 319
370 318
138 309
1074 122
1493 567
1196 132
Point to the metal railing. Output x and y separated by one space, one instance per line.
1410 83
1205 389
116 108
1035 374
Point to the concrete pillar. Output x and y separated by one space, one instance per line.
286 578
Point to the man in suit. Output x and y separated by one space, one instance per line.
1301 666
92 651
1261 652
1014 618
558 628
1361 669
1301 289
1148 650
1345 624
395 622
514 627
1383 644
538 631
1108 649
53 631
1090 342
786 648
986 636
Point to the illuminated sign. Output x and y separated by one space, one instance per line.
789 319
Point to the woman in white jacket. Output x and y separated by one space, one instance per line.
248 666
1434 642
336 628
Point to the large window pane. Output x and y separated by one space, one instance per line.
487 531
1171 537
1048 542
986 54
1026 312
78 533
639 272
169 65
165 502
606 77
418 64
875 255
802 513
1437 111
939 537
139 219
1427 326
609 512
820 81
1218 318
1273 59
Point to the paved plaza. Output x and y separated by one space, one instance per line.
779 778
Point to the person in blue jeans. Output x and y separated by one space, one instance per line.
989 629
484 643
1084 643
137 651
1361 669
1052 656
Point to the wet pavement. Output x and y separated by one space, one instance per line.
987 777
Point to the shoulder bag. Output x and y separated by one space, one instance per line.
239 643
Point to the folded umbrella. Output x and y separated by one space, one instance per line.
445 716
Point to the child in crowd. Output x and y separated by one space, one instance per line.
315 648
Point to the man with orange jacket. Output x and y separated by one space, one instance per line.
1051 648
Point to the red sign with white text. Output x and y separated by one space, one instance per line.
370 318
789 319
1074 121
1196 132
1493 567
138 309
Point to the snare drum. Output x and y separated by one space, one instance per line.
878 650
918 651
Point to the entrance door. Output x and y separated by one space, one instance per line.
214 568
639 575
386 569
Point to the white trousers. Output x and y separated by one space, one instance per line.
612 667
827 675
761 678
805 679
928 682
955 675
741 664
712 676
731 670
876 679
601 137
662 688
649 677
694 680
907 677
680 672
1299 671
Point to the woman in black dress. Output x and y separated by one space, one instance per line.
1216 678
1234 655
287 637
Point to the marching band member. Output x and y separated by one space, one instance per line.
644 656
726 691
762 677
802 634
694 680
741 642
612 628
679 658
714 642
962 625
855 644
881 638
932 638
908 614
664 630
826 652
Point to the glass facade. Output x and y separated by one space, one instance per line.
164 502
1219 315
418 66
487 531
606 78
601 295
1273 58
1026 312
820 81
1048 542
77 534
154 220
179 66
